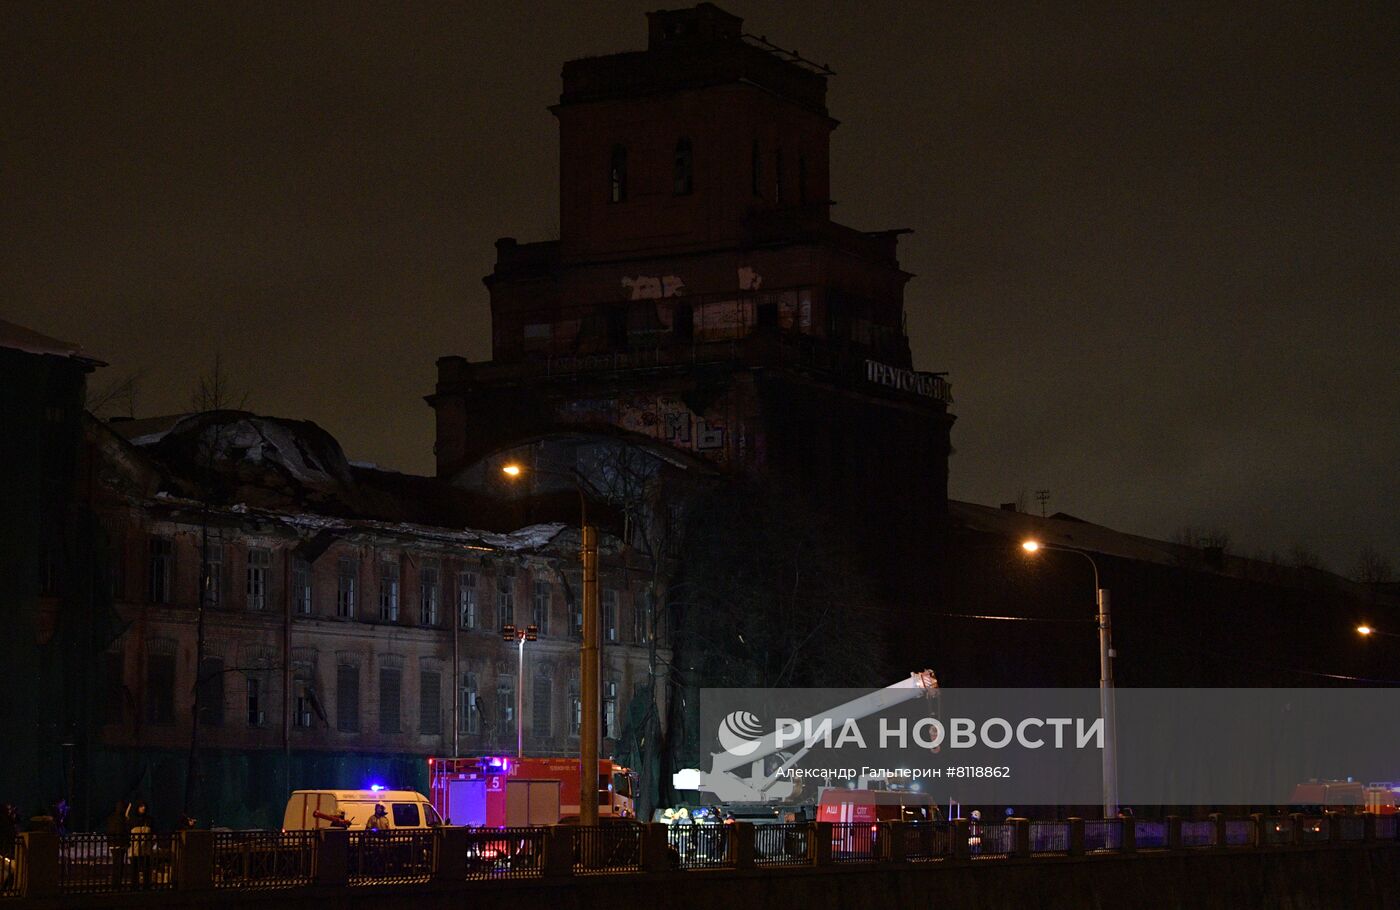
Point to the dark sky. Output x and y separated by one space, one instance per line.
1157 245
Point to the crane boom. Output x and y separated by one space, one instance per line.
724 782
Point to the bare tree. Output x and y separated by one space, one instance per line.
117 398
1372 567
215 390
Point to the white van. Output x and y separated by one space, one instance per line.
308 810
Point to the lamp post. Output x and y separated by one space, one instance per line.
590 718
1106 707
1366 631
510 633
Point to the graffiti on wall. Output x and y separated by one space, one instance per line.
665 418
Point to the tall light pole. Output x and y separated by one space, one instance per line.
510 633
1106 706
591 712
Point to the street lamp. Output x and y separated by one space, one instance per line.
1366 631
588 653
1106 655
510 633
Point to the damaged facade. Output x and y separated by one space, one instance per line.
351 619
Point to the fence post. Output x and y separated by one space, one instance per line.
451 854
1220 832
1076 836
655 847
823 832
741 845
1020 837
961 832
1173 832
38 876
1127 834
332 858
1296 834
896 842
194 861
559 851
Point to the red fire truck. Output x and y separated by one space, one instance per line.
498 790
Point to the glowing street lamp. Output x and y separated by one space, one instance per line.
1106 655
1366 630
589 668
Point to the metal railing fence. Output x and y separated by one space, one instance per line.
263 859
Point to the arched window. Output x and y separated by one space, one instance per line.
617 175
684 182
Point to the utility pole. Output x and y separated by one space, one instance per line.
588 682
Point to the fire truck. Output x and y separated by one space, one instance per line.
498 790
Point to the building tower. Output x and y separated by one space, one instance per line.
700 296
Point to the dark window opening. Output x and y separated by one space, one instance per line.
160 688
617 326
683 322
684 182
802 179
347 699
211 691
756 170
778 177
617 175
430 704
389 685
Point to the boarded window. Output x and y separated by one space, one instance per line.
390 683
347 699
430 703
542 712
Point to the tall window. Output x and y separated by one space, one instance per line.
213 574
347 699
160 688
617 175
505 705
113 687
471 714
684 182
301 586
575 616
466 600
756 170
428 595
347 572
302 710
390 683
540 721
575 706
259 561
778 176
430 703
162 560
389 591
802 179
639 618
505 600
610 610
256 717
211 691
610 708
543 592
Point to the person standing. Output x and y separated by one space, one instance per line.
117 839
142 848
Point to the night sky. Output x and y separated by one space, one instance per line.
1157 250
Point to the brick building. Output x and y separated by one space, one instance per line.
351 618
700 298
